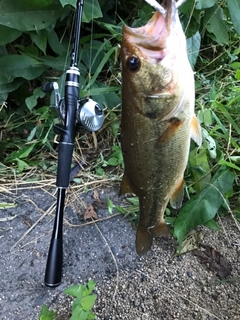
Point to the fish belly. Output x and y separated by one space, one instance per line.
155 155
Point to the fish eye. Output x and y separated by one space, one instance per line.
133 63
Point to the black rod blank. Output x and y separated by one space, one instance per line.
53 273
66 131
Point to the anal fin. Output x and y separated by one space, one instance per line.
196 133
177 197
125 185
160 230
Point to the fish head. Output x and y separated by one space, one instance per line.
154 57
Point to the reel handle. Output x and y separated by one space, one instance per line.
48 86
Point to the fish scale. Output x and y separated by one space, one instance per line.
158 118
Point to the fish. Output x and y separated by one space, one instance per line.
157 119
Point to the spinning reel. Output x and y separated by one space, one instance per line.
89 114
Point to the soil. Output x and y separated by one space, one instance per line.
155 286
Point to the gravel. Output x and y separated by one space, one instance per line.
155 286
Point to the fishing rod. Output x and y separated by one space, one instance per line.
75 114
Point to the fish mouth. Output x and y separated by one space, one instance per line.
151 38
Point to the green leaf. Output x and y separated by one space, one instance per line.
200 169
9 87
32 134
14 66
46 314
110 206
205 116
214 23
204 4
8 35
21 164
237 75
55 44
3 97
187 7
68 2
91 316
21 153
76 313
229 118
79 314
234 10
134 201
193 46
31 101
113 162
235 65
229 164
28 15
40 39
89 287
212 224
4 205
57 63
75 290
88 302
209 143
99 69
91 10
203 206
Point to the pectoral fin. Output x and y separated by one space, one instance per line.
177 197
196 133
173 125
125 185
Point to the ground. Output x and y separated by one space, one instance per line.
155 286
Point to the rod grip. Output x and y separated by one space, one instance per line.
53 273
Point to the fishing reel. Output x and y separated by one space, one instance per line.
89 114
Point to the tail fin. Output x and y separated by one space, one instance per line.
143 240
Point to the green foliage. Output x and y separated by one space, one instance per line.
115 159
207 20
46 314
81 305
34 47
131 210
203 207
83 302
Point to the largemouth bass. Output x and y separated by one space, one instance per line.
158 119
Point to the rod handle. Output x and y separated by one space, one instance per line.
53 273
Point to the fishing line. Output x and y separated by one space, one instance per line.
61 85
179 3
90 49
156 6
159 8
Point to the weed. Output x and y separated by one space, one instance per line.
81 305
